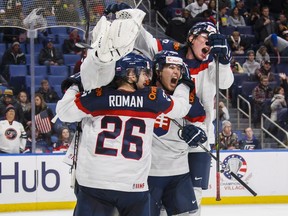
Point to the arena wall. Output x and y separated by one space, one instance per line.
42 181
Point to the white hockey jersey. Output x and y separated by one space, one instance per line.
12 137
203 74
117 127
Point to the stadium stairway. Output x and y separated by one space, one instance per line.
268 142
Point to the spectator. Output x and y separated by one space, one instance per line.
253 16
49 55
64 141
261 95
13 9
228 139
282 23
41 146
69 46
265 25
265 70
43 116
12 134
6 100
242 9
249 141
70 15
250 66
284 84
235 19
23 100
49 95
278 102
177 28
223 112
223 17
197 7
237 43
262 55
236 66
279 46
13 55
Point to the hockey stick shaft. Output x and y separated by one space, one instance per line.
218 197
220 163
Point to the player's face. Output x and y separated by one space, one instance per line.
170 75
199 45
144 79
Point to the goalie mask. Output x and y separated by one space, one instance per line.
135 63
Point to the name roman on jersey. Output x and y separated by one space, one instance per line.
125 101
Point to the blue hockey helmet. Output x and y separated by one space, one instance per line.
136 62
202 27
166 57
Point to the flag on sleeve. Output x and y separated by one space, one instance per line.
42 122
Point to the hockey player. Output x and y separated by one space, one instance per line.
117 125
169 180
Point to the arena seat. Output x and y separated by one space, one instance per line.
17 70
59 70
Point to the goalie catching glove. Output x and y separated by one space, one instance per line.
113 40
220 47
192 135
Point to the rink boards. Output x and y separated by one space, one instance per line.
37 182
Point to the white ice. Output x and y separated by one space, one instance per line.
207 210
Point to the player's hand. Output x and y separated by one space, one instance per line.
75 79
220 48
193 135
113 8
186 79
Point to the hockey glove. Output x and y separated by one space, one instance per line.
220 47
193 135
186 79
113 8
75 79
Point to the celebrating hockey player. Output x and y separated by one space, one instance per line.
114 154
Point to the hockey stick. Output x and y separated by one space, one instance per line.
224 167
218 171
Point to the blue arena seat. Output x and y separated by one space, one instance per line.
70 59
282 68
246 30
227 30
36 59
37 48
60 70
17 70
38 80
55 80
57 88
52 106
39 70
247 88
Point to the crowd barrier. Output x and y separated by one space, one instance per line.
42 181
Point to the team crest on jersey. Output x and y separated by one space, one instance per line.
192 97
161 125
10 133
153 93
98 92
176 46
236 164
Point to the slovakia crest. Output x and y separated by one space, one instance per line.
161 125
236 164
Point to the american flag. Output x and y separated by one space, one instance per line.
42 122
